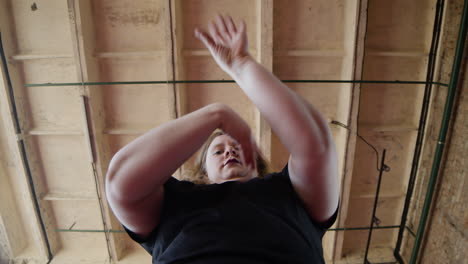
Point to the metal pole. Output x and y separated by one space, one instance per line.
121 231
227 81
383 168
443 132
422 125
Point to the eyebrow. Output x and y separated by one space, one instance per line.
231 143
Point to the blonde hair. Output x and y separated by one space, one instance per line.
199 174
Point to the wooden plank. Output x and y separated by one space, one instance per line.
11 240
265 57
358 60
170 38
84 43
21 227
172 14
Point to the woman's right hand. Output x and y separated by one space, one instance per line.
236 127
227 44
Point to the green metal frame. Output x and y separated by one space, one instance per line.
442 133
229 81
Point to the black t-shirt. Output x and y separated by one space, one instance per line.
259 221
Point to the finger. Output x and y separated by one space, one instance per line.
215 34
205 38
222 29
231 26
243 27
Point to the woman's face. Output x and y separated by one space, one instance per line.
225 161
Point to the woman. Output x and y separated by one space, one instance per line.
239 218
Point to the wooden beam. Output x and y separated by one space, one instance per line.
172 14
265 57
22 57
20 223
169 15
12 239
84 43
358 60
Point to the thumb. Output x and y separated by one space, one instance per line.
205 38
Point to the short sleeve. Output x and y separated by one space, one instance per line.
147 243
171 187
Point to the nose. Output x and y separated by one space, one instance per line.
230 150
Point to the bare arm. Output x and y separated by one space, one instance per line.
300 127
134 181
313 165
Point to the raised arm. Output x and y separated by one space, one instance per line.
137 172
300 127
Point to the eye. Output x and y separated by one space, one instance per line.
218 152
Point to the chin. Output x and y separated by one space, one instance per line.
242 175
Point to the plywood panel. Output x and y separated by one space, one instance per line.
40 26
306 24
391 105
393 68
400 24
386 208
358 239
379 254
136 107
317 67
400 148
82 248
65 165
127 25
198 13
49 70
362 208
325 98
55 108
77 215
398 37
133 69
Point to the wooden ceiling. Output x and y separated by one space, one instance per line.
71 132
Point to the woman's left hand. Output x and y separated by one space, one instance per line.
227 44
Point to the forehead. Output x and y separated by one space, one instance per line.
223 140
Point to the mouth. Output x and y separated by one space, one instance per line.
233 160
